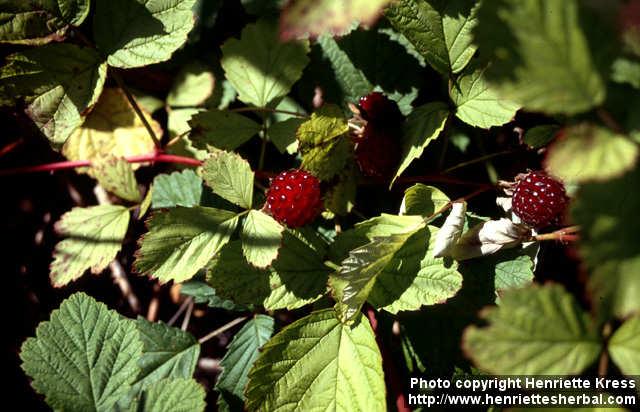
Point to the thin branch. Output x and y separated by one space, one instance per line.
181 309
120 278
478 160
436 178
154 304
187 316
10 147
609 121
567 234
603 362
446 207
267 109
221 329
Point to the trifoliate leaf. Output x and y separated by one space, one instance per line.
451 229
230 177
440 30
324 145
423 126
113 128
182 241
261 238
422 200
93 238
84 358
116 176
626 71
587 152
59 82
177 189
336 367
241 354
535 331
170 395
283 135
202 292
136 33
311 18
477 103
221 129
261 67
192 87
540 54
624 346
40 21
540 136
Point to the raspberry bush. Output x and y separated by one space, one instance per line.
299 205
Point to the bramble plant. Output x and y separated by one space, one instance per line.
332 195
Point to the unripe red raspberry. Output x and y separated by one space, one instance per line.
378 152
378 109
294 198
539 199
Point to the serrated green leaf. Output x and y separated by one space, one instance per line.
146 203
283 135
261 238
624 346
59 83
423 126
587 152
351 79
627 71
336 367
192 87
540 136
540 54
241 354
324 145
535 331
84 358
440 30
221 129
230 177
40 21
477 104
115 175
182 241
423 200
311 18
202 292
414 278
607 215
93 238
171 395
296 278
177 189
136 33
261 67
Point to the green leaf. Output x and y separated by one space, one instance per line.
624 347
241 354
318 363
541 57
626 71
283 135
230 177
341 197
59 83
94 237
261 67
440 30
414 278
40 21
296 278
607 214
177 189
311 18
221 129
84 358
261 238
170 395
182 241
587 152
535 331
136 33
192 87
423 126
513 268
201 292
477 103
423 200
324 144
115 175
540 136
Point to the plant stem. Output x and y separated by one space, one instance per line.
446 207
567 234
424 179
137 109
120 279
478 160
603 362
181 309
154 304
609 121
267 109
187 316
263 151
221 329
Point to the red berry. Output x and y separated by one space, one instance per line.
378 153
539 199
293 198
379 109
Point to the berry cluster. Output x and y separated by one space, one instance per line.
539 199
378 151
294 198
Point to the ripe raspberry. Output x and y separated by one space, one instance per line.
293 198
538 199
378 152
379 109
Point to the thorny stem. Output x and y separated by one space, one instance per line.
221 329
567 234
267 109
